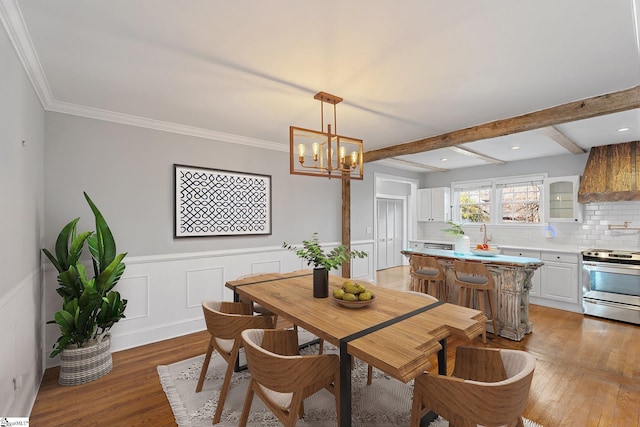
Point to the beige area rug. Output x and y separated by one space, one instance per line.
385 403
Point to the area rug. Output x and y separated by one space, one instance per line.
384 403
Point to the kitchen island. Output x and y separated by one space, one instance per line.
512 277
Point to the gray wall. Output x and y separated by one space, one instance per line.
128 172
21 219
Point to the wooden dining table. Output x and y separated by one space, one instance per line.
396 333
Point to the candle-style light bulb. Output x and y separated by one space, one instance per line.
354 159
343 154
301 150
315 147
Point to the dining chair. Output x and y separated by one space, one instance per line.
225 321
474 278
280 322
427 276
427 297
281 378
488 387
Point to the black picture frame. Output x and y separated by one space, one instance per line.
216 202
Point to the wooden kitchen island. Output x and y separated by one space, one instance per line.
512 277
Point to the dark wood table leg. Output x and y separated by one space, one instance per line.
345 386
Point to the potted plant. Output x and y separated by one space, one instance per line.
322 262
90 306
462 242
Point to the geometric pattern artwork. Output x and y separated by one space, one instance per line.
212 202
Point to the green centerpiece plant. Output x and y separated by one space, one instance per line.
313 253
322 261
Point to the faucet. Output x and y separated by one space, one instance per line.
483 228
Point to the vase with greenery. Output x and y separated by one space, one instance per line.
462 242
322 261
90 306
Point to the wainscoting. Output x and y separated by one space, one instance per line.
164 292
21 365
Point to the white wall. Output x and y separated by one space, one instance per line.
21 219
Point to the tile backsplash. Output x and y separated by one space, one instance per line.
593 232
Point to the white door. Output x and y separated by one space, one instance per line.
390 232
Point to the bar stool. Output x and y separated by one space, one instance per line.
427 276
473 277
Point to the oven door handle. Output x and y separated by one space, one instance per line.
608 268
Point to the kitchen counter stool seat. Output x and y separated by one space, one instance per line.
427 277
473 277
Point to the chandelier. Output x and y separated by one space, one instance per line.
322 153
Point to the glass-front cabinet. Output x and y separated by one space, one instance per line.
561 203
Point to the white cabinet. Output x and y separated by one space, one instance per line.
434 204
559 277
561 199
555 284
535 279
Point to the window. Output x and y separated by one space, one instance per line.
511 200
473 202
520 202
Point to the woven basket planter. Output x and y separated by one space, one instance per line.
85 364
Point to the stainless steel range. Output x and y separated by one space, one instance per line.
611 284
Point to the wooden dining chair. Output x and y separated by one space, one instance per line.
281 322
475 278
282 380
225 321
427 276
488 387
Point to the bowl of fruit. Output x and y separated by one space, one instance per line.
484 250
353 295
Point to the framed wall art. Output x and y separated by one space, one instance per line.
212 202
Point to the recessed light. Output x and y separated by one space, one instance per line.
515 147
444 159
623 129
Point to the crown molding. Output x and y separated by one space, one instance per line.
14 24
128 119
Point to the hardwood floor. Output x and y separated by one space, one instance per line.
587 374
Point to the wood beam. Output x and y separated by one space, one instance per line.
417 165
471 153
563 140
346 224
578 110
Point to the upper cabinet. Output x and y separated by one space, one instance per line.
434 204
561 204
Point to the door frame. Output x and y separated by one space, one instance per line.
410 220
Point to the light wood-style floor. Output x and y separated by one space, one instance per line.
587 374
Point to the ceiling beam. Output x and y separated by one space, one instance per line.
577 110
471 153
562 139
417 165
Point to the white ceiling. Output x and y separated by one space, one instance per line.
245 70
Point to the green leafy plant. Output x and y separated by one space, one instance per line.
454 229
90 307
313 253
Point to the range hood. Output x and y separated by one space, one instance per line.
612 174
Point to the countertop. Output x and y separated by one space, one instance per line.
563 249
497 259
